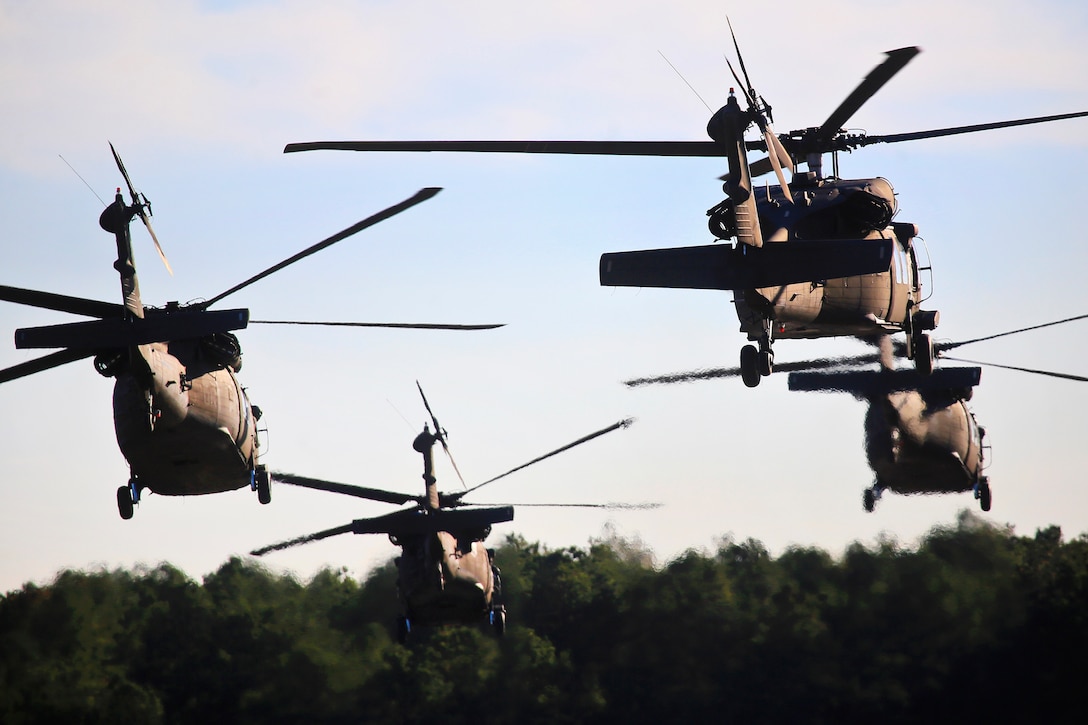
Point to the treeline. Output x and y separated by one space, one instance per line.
973 624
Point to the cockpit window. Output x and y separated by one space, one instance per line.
902 269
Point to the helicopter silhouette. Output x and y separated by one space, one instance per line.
920 435
183 421
815 256
445 574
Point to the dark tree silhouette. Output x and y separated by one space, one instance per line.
974 623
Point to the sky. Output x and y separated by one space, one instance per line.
200 98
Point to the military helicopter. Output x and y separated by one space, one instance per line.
815 257
183 420
445 574
920 436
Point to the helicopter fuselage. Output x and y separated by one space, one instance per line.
929 444
860 305
183 421
444 578
920 436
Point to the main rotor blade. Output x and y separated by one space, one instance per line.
398 325
873 82
345 529
740 58
776 163
1049 373
786 367
614 506
954 130
140 208
158 247
374 494
626 422
600 148
783 155
121 167
440 434
942 346
420 196
61 303
765 165
52 360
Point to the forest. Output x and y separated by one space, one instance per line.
971 623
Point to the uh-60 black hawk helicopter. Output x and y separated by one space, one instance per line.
183 420
815 257
445 575
920 435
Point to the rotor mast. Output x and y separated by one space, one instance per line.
424 443
115 220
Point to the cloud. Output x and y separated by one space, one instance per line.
253 75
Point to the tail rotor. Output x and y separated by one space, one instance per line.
440 434
140 204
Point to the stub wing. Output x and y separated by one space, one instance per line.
415 521
724 267
871 383
116 332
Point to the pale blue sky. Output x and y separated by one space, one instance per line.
200 99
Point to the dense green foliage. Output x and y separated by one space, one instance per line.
974 624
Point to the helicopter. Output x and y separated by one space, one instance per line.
183 420
814 256
920 435
445 574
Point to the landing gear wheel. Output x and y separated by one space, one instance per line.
124 502
766 362
984 496
264 485
923 353
749 365
498 620
868 500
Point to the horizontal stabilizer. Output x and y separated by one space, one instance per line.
116 332
869 383
60 303
724 267
415 521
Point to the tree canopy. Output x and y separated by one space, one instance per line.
974 622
